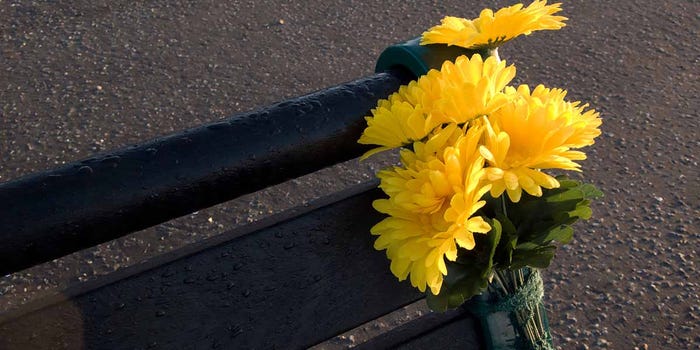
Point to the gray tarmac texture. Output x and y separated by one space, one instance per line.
81 77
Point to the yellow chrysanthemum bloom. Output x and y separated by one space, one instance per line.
422 184
536 130
472 87
490 30
404 117
587 122
458 92
431 205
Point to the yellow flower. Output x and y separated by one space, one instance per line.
490 30
424 182
432 202
472 87
536 130
404 117
459 92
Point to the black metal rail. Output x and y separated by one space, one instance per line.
47 215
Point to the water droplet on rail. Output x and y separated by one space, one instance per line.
86 170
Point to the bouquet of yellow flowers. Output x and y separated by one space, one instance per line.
472 207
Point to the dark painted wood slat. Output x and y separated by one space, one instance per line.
429 326
77 289
461 334
287 286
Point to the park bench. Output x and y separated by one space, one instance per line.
293 279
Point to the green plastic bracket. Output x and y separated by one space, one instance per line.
419 59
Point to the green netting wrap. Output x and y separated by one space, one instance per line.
527 298
516 320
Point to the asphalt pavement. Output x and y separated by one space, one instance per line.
82 77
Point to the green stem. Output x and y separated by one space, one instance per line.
522 315
537 318
504 290
503 205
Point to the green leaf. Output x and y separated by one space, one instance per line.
566 197
461 283
527 246
508 242
561 206
521 235
534 223
539 257
591 192
485 248
560 233
438 302
582 211
507 225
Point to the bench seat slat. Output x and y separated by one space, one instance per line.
291 285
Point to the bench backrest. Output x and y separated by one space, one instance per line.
290 280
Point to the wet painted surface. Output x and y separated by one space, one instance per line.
92 201
288 286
